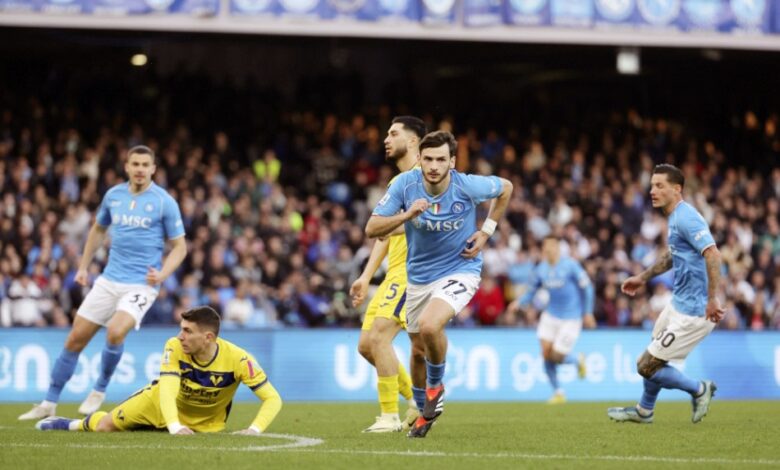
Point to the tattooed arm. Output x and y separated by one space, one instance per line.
714 311
633 283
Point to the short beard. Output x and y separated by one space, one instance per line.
397 155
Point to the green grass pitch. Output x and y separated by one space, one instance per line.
467 436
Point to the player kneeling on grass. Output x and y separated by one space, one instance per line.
199 375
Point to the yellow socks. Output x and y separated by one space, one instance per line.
404 382
90 422
388 394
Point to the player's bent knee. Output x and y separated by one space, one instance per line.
364 348
647 365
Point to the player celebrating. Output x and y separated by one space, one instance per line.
199 375
386 313
571 306
694 310
437 207
141 216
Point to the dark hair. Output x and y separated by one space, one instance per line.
412 123
205 317
143 150
439 138
673 174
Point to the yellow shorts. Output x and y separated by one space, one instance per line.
142 411
389 302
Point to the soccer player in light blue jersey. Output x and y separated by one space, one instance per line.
140 216
694 309
437 206
570 307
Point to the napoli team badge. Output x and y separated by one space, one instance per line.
659 12
439 7
703 12
299 6
749 12
458 207
615 10
252 6
347 6
159 5
395 7
528 7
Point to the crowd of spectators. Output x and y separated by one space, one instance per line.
275 225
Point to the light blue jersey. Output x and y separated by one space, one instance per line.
688 237
571 292
437 237
139 225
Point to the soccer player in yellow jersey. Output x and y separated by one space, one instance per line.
199 375
386 313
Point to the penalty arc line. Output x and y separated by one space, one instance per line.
297 442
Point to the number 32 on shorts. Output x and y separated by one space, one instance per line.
139 301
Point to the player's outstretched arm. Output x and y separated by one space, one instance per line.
359 289
169 388
95 238
272 404
631 285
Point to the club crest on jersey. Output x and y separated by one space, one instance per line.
216 379
458 207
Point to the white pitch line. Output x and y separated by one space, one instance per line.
519 455
302 444
297 442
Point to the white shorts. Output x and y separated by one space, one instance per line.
108 297
561 333
675 334
456 289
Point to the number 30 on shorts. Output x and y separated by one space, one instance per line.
666 338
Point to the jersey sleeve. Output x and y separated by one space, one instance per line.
482 188
533 286
103 216
393 200
253 376
170 381
695 231
174 227
250 373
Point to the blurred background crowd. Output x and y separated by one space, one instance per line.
274 198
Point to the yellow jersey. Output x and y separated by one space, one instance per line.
397 249
206 391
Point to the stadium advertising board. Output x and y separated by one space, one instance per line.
740 17
483 365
